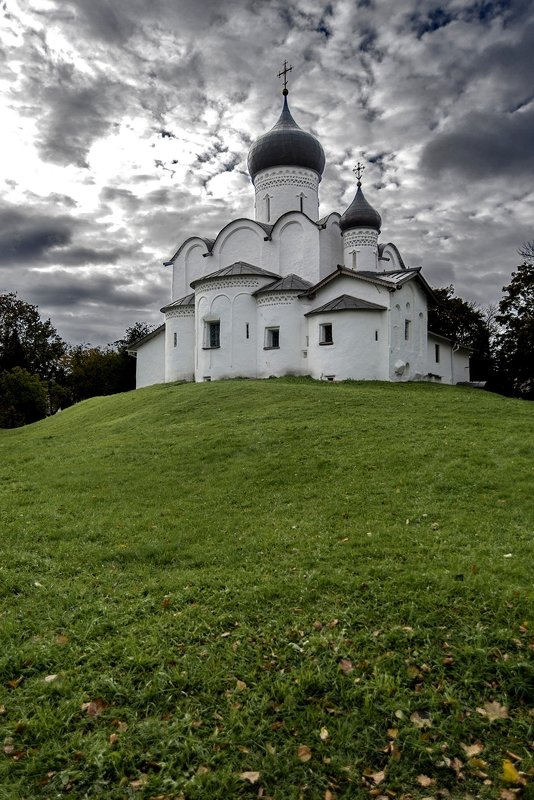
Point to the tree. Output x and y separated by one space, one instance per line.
27 341
107 370
526 251
23 398
515 343
464 324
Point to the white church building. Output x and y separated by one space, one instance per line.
293 293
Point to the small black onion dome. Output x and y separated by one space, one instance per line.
360 214
285 145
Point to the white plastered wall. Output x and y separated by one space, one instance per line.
408 348
359 350
180 351
447 365
285 312
229 301
330 246
282 189
360 249
150 361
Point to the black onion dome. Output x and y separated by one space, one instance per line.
285 145
360 214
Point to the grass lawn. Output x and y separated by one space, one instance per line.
276 589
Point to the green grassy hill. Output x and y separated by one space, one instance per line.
280 589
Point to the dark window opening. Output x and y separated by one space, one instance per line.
272 338
326 334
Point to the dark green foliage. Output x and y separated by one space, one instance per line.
515 342
27 341
464 324
23 398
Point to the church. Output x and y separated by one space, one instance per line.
293 293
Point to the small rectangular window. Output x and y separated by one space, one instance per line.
407 329
272 338
212 335
436 351
325 333
247 332
376 336
175 339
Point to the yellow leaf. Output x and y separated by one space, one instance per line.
304 753
251 777
240 686
509 772
323 735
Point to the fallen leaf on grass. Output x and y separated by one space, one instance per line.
421 720
333 623
323 735
318 625
378 777
15 682
424 780
509 772
472 749
51 678
121 726
166 602
62 639
113 738
493 711
240 686
304 753
138 783
202 770
12 752
508 794
95 707
2 709
251 777
346 666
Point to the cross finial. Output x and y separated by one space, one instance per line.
284 72
358 171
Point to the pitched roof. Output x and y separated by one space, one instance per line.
188 300
346 302
390 280
132 348
289 283
237 268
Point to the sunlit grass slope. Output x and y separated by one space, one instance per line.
275 589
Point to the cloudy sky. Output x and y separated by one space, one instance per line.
125 126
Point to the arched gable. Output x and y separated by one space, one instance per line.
394 260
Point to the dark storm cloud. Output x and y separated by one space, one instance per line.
484 146
26 238
62 288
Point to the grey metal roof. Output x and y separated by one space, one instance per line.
346 302
289 283
360 214
237 268
285 145
188 300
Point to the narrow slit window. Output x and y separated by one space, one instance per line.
247 330
407 329
376 336
436 353
175 339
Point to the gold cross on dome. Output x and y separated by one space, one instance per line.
358 171
284 72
